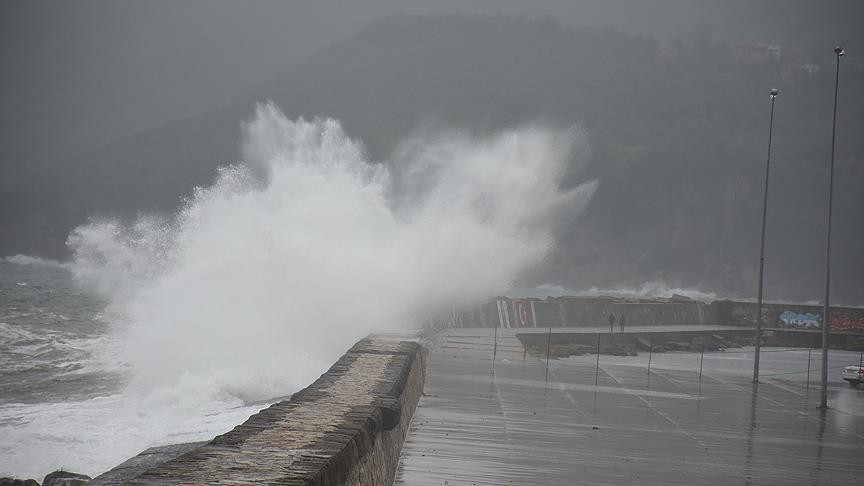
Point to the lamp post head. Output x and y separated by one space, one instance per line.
774 93
839 51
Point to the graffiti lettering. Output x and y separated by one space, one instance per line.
802 320
842 321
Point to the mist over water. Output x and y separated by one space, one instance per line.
261 280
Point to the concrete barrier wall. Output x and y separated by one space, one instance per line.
347 428
595 311
582 312
790 316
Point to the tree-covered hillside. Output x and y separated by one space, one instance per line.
678 133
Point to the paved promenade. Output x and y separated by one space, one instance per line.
628 328
667 427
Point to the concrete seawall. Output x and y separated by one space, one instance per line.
347 428
714 337
506 312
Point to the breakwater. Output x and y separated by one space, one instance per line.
685 338
562 342
346 428
678 310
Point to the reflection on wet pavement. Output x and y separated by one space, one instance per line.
476 427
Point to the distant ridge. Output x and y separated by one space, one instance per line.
677 143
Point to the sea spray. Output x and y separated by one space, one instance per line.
262 279
265 277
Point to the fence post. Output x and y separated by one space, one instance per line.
597 366
701 359
809 352
650 351
548 343
495 346
494 350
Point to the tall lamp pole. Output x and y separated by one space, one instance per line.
826 323
773 93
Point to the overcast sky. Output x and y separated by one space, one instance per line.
81 74
97 94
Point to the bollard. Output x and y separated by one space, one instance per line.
809 352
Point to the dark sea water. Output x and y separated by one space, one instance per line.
64 401
49 332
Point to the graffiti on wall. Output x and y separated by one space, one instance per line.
804 320
846 321
524 314
517 313
503 313
840 321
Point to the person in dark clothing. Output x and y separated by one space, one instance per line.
621 321
611 322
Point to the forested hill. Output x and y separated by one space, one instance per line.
678 134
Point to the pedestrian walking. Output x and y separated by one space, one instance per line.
611 322
621 321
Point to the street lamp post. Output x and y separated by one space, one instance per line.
773 93
826 323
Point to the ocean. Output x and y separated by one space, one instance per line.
64 397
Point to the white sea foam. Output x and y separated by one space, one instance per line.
31 260
263 279
651 289
11 335
94 435
648 289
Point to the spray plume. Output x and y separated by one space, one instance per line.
261 280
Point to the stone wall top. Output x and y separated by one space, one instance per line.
316 436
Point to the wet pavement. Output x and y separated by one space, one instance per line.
617 329
515 426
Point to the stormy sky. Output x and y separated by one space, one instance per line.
81 74
91 87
